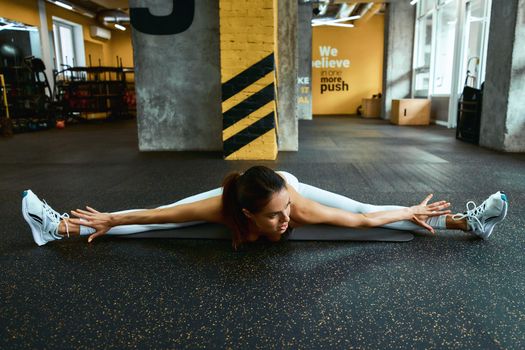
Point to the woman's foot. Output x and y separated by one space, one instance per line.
482 219
43 220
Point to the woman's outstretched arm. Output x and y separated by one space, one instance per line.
307 211
208 210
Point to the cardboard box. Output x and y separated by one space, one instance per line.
411 111
371 107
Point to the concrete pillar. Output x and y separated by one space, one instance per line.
304 67
503 120
45 45
399 47
286 66
178 81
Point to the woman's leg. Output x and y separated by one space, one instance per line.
130 229
338 201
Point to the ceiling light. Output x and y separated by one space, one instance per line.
413 2
343 19
118 26
325 22
61 4
347 25
6 26
340 25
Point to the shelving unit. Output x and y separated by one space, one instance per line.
28 104
95 93
6 129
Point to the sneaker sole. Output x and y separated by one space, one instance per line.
495 220
34 229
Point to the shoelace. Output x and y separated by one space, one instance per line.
472 213
51 213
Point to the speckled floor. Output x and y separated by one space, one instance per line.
446 291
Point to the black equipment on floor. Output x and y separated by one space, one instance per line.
469 113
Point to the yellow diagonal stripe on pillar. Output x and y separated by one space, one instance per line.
247 92
247 121
263 147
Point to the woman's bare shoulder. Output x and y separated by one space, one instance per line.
299 203
305 211
209 209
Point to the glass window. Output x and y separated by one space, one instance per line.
424 6
445 38
64 45
475 27
20 41
423 56
424 42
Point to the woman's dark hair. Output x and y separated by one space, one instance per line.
251 190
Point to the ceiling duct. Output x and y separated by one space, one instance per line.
109 18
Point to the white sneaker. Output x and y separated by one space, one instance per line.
482 219
42 219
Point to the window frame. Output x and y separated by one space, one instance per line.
433 10
77 41
439 7
421 18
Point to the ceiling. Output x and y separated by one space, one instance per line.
112 4
330 9
107 12
99 5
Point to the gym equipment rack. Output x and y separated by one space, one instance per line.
86 93
30 107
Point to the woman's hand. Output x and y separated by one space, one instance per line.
101 222
420 213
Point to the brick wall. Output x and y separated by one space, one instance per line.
247 76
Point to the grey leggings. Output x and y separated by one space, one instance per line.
313 193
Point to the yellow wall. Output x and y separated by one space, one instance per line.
363 46
120 45
26 11
110 48
95 51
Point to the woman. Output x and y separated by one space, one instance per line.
261 202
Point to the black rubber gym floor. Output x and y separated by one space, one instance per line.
451 290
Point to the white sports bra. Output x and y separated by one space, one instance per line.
290 179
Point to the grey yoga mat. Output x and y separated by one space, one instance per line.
304 233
